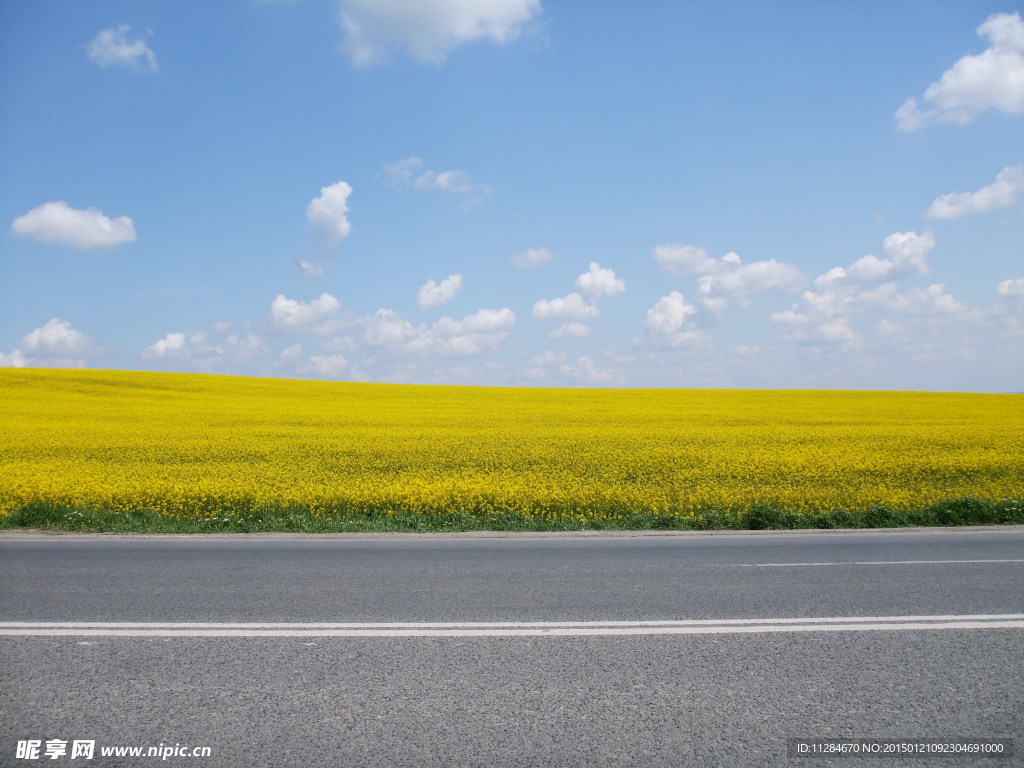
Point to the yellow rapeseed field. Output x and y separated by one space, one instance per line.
198 445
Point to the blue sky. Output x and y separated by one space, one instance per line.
517 192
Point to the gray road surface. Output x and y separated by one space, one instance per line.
603 700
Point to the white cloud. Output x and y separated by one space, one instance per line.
737 279
571 331
16 359
483 331
202 352
386 329
483 321
433 294
532 257
427 29
684 260
57 339
327 212
326 366
57 222
1001 194
111 47
571 307
870 268
668 321
446 181
290 353
309 269
992 79
170 346
727 277
410 173
56 344
838 331
904 252
319 316
598 282
1011 288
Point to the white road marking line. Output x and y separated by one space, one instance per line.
877 562
511 629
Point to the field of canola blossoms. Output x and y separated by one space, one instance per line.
213 447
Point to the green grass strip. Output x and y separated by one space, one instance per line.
965 511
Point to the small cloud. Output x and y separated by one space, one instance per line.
169 347
57 222
319 316
532 257
668 322
904 252
112 48
727 277
427 29
1013 288
992 79
571 307
446 181
54 345
1001 194
571 331
206 350
598 282
684 260
309 269
326 366
410 173
433 294
327 212
290 353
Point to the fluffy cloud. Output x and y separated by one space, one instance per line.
727 277
738 279
327 212
571 331
668 322
571 307
483 331
583 369
992 79
824 316
206 350
598 282
112 48
433 294
1001 194
56 344
591 286
532 257
319 316
326 366
1011 288
169 347
427 29
57 222
904 252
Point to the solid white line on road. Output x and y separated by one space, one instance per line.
876 562
511 629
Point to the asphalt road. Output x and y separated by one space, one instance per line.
728 691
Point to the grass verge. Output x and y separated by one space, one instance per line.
965 511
